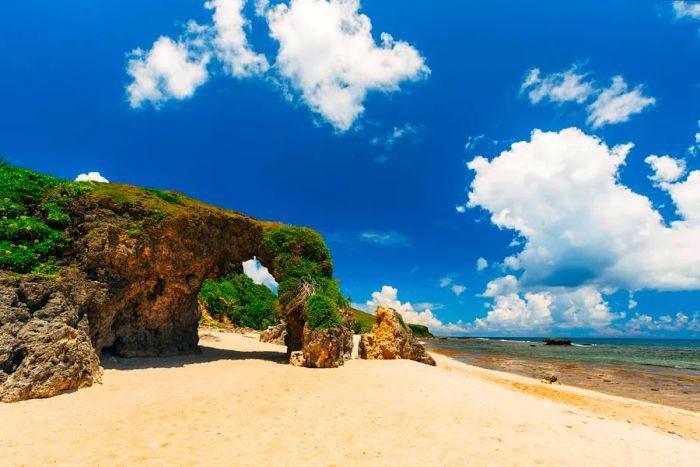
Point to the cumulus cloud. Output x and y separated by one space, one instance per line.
583 232
230 42
666 168
174 69
458 289
617 104
170 70
259 274
685 9
328 55
642 323
566 86
91 177
388 297
391 238
613 104
481 264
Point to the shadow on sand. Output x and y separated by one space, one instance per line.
205 355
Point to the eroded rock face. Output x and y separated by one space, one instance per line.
274 334
391 339
45 345
131 288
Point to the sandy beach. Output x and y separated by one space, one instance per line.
238 403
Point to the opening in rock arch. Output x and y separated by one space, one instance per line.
243 297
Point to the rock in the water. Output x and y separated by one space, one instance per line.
275 334
45 345
557 341
391 339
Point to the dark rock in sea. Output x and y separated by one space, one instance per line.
557 341
550 379
127 283
392 339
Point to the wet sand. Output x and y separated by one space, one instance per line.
648 383
238 403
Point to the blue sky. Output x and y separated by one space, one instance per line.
306 115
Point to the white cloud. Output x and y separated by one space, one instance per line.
616 104
567 86
458 289
666 168
678 322
391 238
91 177
560 192
169 70
174 69
481 264
259 274
445 282
695 147
512 313
684 9
583 232
397 133
231 43
327 54
388 297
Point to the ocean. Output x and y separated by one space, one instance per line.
665 371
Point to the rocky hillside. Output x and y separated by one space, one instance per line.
87 267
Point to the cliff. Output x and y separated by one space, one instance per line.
87 268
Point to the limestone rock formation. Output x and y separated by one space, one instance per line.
326 348
45 345
128 277
391 339
274 334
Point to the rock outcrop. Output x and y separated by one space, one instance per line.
274 334
391 339
128 284
557 341
45 345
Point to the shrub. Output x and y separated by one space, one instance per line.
33 219
322 312
165 196
242 301
419 330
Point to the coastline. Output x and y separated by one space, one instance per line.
237 403
650 383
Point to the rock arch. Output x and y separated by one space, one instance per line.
132 285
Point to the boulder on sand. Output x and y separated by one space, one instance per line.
391 339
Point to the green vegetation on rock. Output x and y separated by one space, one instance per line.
34 218
420 331
303 268
241 301
322 312
363 321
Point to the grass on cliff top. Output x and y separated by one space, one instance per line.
35 217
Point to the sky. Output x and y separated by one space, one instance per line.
512 168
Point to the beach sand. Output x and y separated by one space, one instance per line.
238 403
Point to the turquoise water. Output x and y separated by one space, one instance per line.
674 354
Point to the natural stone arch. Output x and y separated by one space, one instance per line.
131 287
